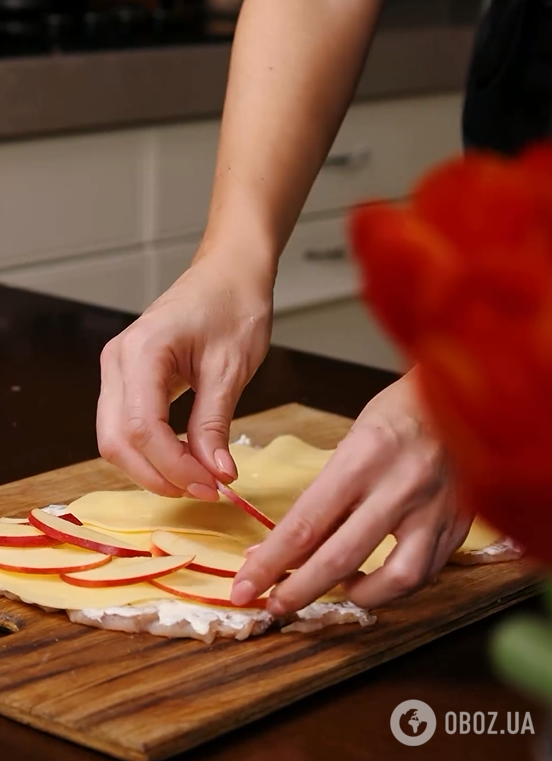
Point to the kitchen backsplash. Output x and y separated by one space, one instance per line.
395 12
45 27
406 12
430 12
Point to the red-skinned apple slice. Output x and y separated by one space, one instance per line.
71 518
24 535
230 494
46 560
218 556
79 536
123 571
203 588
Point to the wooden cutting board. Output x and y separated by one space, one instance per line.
143 697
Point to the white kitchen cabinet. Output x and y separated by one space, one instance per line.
380 150
383 147
68 196
343 330
114 218
183 165
315 267
169 262
118 281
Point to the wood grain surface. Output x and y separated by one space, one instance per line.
143 697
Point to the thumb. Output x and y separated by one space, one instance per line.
209 426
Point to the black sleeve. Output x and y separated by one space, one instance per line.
508 101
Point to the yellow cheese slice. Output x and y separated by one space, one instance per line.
208 548
275 476
13 521
218 552
379 555
138 511
52 592
481 535
271 478
50 559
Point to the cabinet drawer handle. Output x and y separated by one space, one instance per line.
348 159
325 254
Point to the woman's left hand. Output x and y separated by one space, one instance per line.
388 476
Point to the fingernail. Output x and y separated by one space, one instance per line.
203 492
243 592
250 550
275 607
225 462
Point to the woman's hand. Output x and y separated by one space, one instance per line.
293 73
210 331
388 476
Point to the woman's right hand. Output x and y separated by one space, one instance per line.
210 332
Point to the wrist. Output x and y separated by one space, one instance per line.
243 253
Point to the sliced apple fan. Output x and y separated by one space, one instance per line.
132 561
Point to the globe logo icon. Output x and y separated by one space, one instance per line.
413 722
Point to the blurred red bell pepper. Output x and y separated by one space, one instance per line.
461 278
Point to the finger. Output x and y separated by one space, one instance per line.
139 470
250 550
338 558
209 425
319 510
110 399
295 538
406 569
343 553
145 430
450 542
135 465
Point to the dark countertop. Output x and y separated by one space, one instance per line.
82 92
49 383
